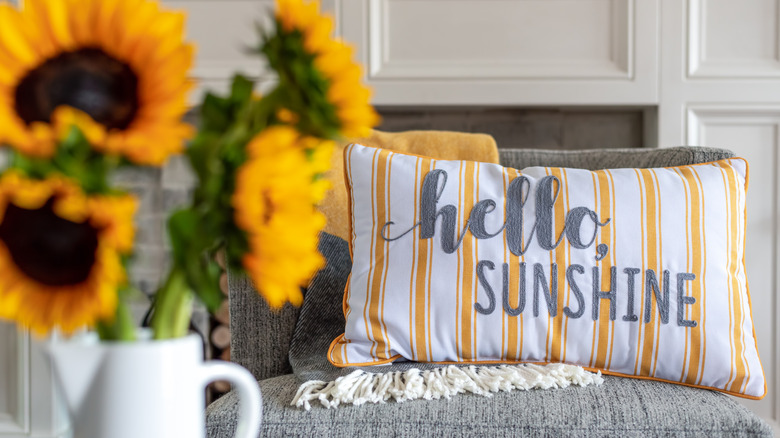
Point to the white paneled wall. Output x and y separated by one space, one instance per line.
710 67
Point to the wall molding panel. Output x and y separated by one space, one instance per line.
507 52
529 40
14 381
30 405
729 39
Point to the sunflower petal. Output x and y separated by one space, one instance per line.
136 26
37 27
13 40
319 34
80 23
58 23
163 36
103 25
64 117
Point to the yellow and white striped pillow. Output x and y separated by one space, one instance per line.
634 272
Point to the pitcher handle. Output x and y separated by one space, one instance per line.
250 401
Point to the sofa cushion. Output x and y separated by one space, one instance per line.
621 407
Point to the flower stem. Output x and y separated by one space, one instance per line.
121 328
173 307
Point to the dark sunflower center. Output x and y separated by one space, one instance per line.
48 248
86 79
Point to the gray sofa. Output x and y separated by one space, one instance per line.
263 340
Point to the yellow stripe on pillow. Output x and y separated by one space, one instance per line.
634 272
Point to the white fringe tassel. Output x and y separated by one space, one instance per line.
361 387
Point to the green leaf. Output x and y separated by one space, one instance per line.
208 291
191 239
182 229
203 153
215 113
241 90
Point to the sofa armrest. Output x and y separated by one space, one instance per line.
260 336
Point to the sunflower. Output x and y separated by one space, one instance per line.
274 205
60 252
120 65
319 153
332 58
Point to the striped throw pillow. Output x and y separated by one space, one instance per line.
633 272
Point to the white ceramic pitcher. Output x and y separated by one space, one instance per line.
146 388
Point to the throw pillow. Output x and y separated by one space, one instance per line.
633 272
